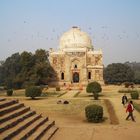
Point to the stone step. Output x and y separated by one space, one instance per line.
2 99
12 123
31 129
10 108
48 135
42 130
9 134
7 103
18 122
14 118
14 114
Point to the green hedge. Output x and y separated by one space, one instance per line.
9 92
135 95
127 90
57 88
33 92
94 113
136 106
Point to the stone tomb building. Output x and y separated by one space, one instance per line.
76 61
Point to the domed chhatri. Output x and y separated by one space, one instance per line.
75 38
76 61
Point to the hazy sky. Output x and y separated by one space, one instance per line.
114 25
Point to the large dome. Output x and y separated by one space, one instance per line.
75 38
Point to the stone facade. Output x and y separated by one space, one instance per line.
76 61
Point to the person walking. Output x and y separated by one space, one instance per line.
130 109
124 100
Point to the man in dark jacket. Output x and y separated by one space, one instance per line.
124 100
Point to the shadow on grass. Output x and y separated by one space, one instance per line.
37 98
91 95
101 95
102 121
96 100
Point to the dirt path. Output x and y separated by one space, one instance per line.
121 112
69 94
98 133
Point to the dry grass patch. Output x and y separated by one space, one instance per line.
76 95
62 94
16 93
71 113
112 114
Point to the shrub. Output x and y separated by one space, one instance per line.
33 92
95 88
126 84
134 95
94 113
129 84
9 92
136 106
129 90
58 88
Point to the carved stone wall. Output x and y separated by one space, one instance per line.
76 56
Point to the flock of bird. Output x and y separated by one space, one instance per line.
54 35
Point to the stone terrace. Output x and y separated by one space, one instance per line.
20 122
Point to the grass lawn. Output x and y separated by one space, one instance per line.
21 93
47 105
74 112
71 120
16 93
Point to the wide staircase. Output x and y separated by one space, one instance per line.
18 122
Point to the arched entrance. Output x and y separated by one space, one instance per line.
75 77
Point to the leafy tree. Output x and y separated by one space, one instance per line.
13 63
137 76
118 73
22 70
95 88
41 55
8 83
136 68
10 68
18 81
27 60
1 76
